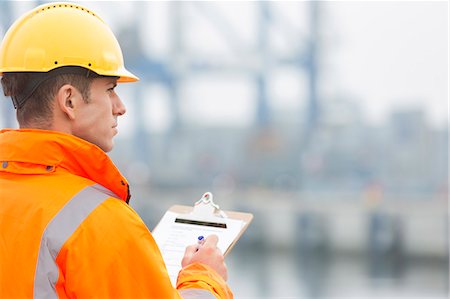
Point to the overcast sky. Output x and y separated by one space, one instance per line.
393 54
384 54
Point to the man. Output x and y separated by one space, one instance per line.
65 227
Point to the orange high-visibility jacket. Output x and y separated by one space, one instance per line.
66 230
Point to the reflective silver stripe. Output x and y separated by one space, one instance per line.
58 230
196 294
105 191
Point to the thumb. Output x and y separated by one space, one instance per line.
211 241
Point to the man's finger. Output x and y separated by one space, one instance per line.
190 250
188 253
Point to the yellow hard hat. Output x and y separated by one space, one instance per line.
54 35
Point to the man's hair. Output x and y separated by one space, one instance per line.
36 112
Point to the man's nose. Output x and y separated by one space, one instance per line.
119 108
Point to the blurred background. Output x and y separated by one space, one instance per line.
326 120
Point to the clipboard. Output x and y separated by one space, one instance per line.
181 226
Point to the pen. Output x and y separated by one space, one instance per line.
200 242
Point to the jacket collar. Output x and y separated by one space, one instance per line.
58 150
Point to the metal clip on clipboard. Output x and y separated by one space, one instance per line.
205 213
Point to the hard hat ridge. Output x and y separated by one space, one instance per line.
62 34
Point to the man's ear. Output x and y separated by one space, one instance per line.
65 99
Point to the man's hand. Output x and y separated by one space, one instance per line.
208 254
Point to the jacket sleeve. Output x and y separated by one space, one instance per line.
194 279
113 255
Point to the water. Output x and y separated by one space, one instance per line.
259 273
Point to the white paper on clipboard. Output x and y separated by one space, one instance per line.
178 230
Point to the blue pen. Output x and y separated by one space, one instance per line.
201 240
